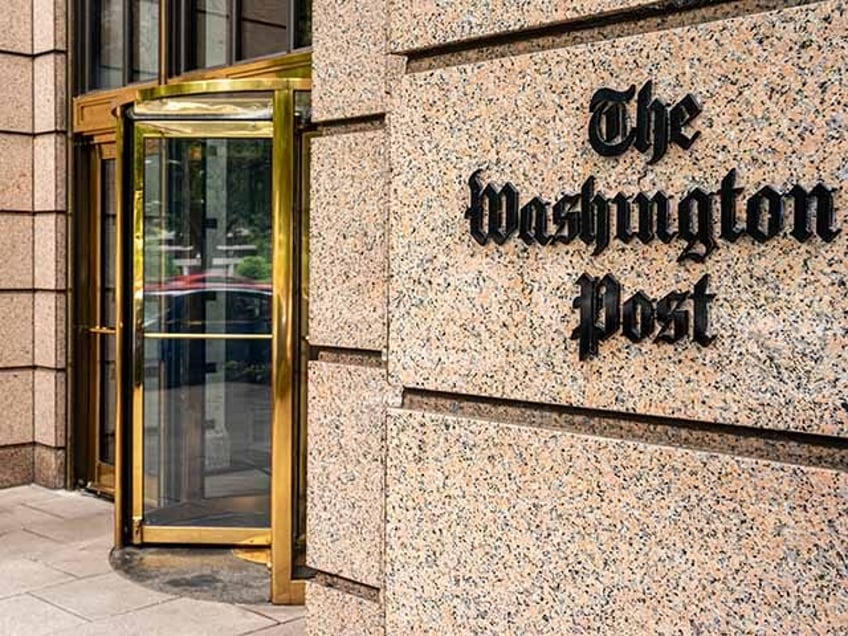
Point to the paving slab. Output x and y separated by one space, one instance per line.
78 561
25 614
186 617
279 613
69 505
18 517
102 596
56 578
24 544
75 530
22 575
296 627
26 495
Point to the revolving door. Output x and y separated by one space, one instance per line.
212 304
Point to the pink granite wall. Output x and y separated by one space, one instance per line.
492 481
32 241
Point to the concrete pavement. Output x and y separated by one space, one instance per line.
55 578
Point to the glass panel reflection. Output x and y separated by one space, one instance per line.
207 272
207 447
145 15
303 26
210 33
106 348
263 27
108 44
207 253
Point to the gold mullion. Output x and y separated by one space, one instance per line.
120 213
96 247
156 335
283 350
141 134
164 39
205 534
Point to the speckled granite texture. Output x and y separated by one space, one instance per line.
347 273
496 320
347 415
348 58
503 529
417 24
331 612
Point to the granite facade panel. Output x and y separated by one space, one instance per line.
16 245
419 24
50 329
16 77
16 26
332 612
49 466
15 172
50 245
347 264
49 402
16 405
50 172
349 64
498 320
503 529
16 466
49 92
49 28
347 414
16 320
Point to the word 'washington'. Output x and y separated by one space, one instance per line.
497 214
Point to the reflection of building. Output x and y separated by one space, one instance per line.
467 471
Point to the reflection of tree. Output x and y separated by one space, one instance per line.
249 198
255 267
304 23
247 217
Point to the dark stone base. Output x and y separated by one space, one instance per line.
208 574
16 465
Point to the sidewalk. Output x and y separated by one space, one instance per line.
55 578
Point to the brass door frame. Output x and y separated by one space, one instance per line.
281 129
89 330
104 473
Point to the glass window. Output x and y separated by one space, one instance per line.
209 22
219 32
263 27
303 24
118 43
145 14
107 46
118 40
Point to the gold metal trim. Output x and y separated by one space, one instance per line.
207 336
94 112
119 498
284 347
103 331
224 86
137 424
234 129
262 556
205 535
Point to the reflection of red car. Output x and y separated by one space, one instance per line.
206 279
208 303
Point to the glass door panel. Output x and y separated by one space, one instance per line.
105 333
206 328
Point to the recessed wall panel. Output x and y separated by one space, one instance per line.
768 346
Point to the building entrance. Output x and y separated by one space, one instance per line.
211 302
